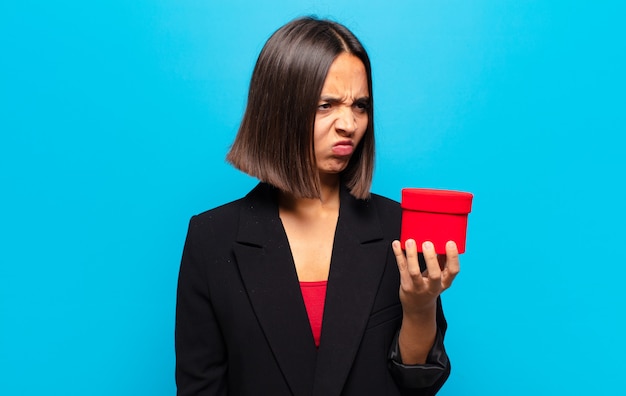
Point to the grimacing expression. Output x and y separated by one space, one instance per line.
342 114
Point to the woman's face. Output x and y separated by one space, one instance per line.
341 118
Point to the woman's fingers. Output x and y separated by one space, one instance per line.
413 264
432 262
452 264
441 269
400 259
407 264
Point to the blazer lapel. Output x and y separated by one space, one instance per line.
266 265
359 256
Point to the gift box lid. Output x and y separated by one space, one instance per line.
438 201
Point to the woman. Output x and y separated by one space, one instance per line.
301 287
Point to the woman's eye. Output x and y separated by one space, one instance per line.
323 106
361 106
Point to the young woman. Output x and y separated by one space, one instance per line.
301 287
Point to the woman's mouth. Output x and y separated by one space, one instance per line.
343 148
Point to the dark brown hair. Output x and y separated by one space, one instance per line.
275 138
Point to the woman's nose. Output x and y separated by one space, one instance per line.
346 121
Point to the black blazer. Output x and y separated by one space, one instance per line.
241 323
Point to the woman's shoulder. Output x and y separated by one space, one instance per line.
226 209
382 200
385 204
227 215
216 221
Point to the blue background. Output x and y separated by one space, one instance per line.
115 117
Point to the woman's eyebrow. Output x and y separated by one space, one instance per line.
330 99
335 99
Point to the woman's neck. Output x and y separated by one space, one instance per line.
327 203
310 225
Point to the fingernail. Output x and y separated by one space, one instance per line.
427 245
450 244
410 243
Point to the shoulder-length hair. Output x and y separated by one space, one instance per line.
275 139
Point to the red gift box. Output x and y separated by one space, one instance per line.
433 215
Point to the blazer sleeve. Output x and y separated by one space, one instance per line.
422 379
201 361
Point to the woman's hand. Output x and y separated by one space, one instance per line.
419 290
418 295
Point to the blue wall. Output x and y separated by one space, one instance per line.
115 117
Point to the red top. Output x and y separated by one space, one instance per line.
314 295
